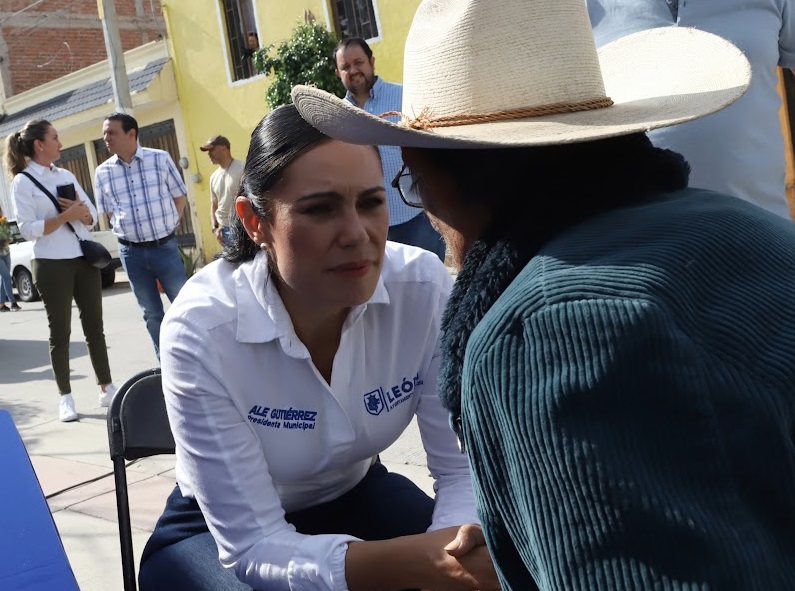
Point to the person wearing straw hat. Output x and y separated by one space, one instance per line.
617 349
354 62
740 150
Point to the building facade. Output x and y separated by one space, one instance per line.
219 90
197 82
53 65
43 41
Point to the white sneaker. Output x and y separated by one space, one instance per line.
66 409
106 396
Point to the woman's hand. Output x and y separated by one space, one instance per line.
469 547
450 559
76 210
461 559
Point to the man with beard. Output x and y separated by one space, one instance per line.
355 66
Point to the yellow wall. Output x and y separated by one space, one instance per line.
395 17
787 119
278 17
211 104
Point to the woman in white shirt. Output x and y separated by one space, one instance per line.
59 271
287 368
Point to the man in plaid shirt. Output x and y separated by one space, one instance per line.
144 194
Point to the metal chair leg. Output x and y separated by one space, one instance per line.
125 529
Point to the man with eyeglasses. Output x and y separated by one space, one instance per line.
408 224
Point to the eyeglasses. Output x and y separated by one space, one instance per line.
404 183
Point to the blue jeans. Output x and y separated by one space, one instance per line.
6 291
144 268
181 555
418 232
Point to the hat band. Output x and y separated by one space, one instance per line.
425 121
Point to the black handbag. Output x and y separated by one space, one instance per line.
94 253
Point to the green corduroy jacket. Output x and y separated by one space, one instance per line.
629 404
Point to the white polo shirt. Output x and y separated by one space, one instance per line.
259 432
33 208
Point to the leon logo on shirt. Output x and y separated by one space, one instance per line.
380 399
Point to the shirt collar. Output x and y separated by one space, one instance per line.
377 86
139 154
39 169
261 315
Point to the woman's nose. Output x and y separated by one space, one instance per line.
353 231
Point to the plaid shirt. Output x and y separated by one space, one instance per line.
386 96
140 196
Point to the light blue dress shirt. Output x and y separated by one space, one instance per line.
139 196
384 97
739 150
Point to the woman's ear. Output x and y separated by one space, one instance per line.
257 228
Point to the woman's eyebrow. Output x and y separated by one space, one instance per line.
319 195
336 195
371 190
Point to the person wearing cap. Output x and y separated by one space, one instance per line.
224 184
740 150
144 194
617 348
355 62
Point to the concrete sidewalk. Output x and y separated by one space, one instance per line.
72 460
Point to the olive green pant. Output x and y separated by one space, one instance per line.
58 281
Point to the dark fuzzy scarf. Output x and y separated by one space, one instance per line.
489 267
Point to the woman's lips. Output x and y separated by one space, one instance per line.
353 269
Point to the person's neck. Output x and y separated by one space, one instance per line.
319 329
127 155
226 163
362 97
44 163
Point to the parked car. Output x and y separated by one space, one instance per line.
22 253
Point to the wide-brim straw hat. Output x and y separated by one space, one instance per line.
504 73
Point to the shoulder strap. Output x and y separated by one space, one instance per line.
50 195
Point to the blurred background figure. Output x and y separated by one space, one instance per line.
224 185
740 150
6 288
60 272
133 177
355 66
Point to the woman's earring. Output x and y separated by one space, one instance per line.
263 246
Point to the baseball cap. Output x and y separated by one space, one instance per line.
216 140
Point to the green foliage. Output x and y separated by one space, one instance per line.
304 58
189 259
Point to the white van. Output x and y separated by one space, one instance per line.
22 253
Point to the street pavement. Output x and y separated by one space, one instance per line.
72 461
